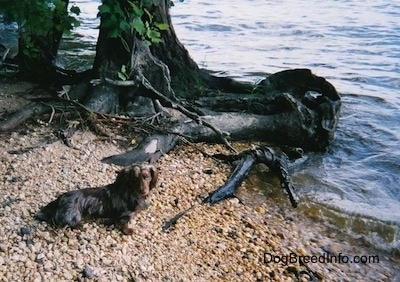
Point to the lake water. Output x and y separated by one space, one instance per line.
353 44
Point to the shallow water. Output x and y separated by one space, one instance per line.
356 46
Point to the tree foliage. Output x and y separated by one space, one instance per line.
132 17
39 18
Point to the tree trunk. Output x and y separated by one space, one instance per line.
184 71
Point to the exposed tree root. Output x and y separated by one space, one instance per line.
22 115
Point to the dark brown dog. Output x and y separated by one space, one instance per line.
117 201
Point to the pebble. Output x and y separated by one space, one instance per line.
48 265
88 272
24 231
40 257
301 251
260 209
68 275
29 264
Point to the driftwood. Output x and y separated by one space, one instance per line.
22 115
276 162
301 113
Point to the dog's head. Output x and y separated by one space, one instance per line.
147 177
139 179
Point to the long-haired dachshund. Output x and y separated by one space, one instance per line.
117 201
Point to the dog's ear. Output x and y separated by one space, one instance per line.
154 176
121 175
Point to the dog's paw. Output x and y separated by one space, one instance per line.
126 230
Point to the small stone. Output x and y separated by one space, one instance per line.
260 209
37 278
15 258
106 261
24 231
281 235
208 170
29 264
79 262
221 246
301 251
3 247
39 258
29 242
48 266
88 272
68 275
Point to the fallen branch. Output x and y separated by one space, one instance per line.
22 115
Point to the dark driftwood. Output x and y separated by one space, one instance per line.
276 162
22 115
228 189
302 113
149 150
300 127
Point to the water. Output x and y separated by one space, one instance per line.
356 46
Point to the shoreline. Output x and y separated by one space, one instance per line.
225 242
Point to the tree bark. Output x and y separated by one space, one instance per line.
170 50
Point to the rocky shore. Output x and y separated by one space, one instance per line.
230 241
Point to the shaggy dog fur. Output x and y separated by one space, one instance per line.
117 201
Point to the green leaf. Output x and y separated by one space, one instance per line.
162 26
138 25
157 40
103 9
153 34
75 10
75 22
136 9
124 25
122 76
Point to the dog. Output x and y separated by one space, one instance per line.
117 201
